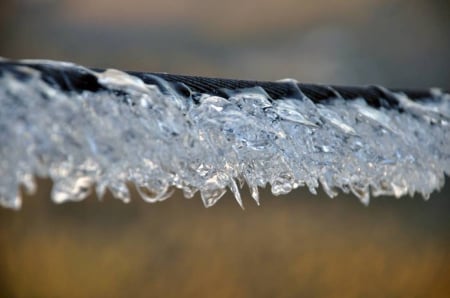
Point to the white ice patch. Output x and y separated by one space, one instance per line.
159 142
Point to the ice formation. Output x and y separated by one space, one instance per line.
160 140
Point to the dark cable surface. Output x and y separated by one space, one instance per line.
71 78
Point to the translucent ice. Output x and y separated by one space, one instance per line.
160 141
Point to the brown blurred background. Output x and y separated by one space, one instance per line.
297 245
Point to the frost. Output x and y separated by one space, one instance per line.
162 141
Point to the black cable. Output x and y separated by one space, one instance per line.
73 78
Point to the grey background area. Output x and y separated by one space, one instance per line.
291 246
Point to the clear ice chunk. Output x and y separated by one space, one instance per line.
161 141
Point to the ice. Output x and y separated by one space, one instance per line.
162 141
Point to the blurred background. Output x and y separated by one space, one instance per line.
297 245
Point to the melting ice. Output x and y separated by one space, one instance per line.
163 141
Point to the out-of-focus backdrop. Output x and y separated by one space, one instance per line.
297 245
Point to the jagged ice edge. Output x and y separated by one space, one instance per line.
162 142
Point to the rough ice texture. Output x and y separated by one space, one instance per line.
162 142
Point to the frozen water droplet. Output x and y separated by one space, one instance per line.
326 148
152 197
334 118
375 115
288 110
69 189
330 191
29 183
120 191
362 192
211 196
236 193
399 190
282 184
312 186
255 193
100 190
16 203
189 191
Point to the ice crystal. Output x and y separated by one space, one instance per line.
161 141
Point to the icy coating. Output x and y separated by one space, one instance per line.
162 142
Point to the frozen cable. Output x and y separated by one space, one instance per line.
96 129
